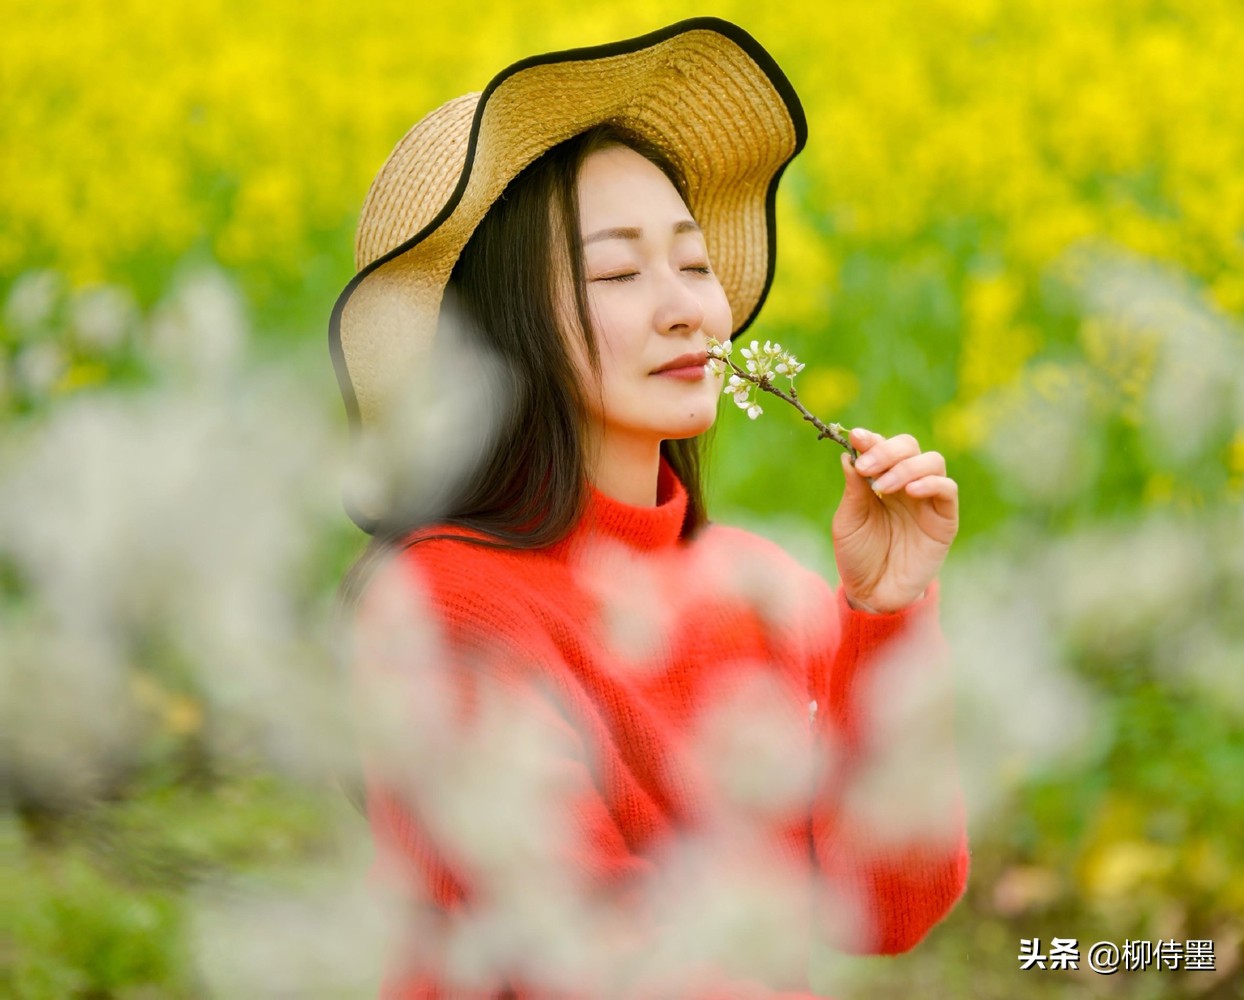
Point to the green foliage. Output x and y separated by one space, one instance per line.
78 931
100 896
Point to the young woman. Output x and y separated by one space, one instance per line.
613 748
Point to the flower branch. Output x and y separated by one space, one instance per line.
762 366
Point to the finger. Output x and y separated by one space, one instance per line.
927 463
881 456
863 439
936 487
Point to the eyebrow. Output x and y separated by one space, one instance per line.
634 233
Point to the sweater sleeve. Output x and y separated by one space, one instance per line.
484 798
888 827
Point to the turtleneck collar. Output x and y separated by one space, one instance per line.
645 529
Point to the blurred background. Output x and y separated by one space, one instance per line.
1017 232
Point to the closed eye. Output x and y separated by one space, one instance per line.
632 275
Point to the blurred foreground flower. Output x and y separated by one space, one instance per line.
159 545
761 367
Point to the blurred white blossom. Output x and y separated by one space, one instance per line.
322 936
749 745
200 329
1019 704
102 315
70 729
38 366
1197 381
176 523
32 300
452 407
1038 445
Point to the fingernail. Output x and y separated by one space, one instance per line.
884 483
866 463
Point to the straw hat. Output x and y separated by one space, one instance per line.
703 90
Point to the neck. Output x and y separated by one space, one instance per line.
626 467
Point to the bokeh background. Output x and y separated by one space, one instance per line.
1017 232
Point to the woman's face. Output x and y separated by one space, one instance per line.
653 300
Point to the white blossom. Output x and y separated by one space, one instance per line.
761 366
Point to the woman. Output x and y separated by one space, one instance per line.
590 769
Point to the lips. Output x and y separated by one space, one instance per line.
684 361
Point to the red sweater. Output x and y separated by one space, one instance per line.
639 764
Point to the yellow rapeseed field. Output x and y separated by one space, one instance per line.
138 130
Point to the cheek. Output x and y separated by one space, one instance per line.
600 388
617 346
576 341
722 314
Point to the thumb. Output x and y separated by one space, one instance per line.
857 497
857 484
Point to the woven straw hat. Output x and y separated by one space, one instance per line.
703 90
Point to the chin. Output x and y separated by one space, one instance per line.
692 426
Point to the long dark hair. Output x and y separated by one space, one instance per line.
530 487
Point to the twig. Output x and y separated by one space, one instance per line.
764 380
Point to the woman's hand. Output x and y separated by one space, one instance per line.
890 544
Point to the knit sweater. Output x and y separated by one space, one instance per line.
636 757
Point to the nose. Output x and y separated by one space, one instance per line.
679 308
